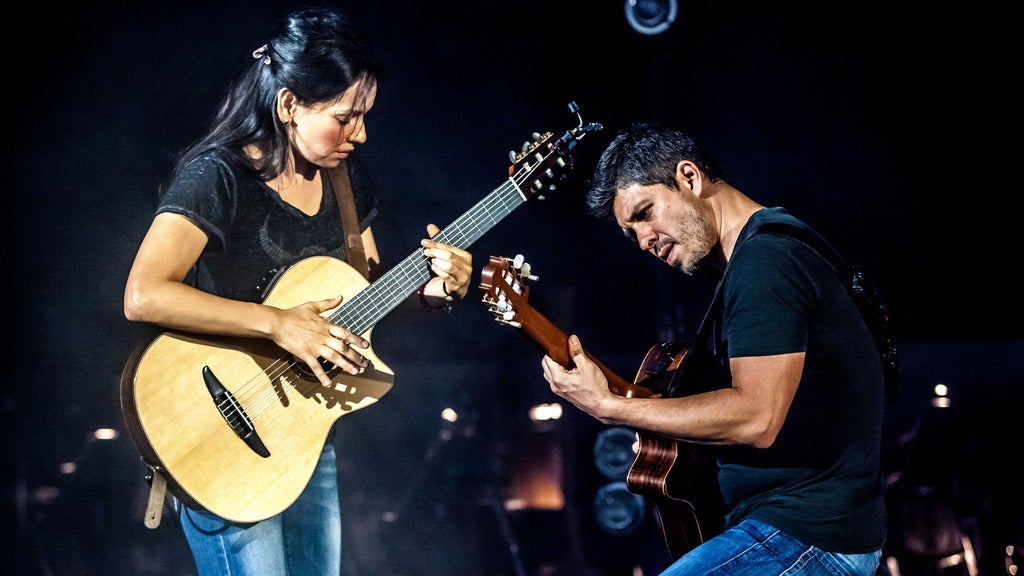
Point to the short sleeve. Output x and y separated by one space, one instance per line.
768 298
205 193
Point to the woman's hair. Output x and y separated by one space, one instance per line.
315 53
643 154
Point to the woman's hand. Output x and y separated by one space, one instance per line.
307 335
453 267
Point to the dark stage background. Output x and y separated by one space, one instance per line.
893 130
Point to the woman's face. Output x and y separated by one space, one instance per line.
325 133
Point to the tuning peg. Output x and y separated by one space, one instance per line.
502 305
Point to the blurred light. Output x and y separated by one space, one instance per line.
941 390
542 412
536 463
940 396
68 468
515 504
449 414
614 452
617 510
105 434
45 495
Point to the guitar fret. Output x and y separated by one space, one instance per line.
281 392
375 301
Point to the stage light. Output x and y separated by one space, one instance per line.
449 415
614 452
651 17
940 396
618 511
105 434
543 412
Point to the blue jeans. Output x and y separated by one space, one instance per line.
753 548
304 540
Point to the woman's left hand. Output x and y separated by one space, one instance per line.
453 267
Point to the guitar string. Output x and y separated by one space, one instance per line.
373 302
266 398
367 306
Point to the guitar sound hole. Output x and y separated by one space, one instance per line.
305 373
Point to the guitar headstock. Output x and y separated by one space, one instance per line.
546 161
506 288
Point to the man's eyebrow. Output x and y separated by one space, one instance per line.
634 214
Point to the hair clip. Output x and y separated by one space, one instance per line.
261 52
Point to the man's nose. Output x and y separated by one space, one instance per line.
646 239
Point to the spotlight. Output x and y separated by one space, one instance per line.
940 396
613 452
651 17
618 511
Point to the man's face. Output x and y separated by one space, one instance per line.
673 225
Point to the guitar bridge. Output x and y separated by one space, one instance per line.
233 413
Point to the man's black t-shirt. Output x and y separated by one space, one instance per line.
821 480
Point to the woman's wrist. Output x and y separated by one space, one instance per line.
435 303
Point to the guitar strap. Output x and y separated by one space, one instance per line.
155 506
355 254
356 257
863 293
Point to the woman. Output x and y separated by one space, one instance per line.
247 200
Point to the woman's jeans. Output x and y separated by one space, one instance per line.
303 540
753 548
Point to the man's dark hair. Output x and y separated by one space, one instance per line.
643 154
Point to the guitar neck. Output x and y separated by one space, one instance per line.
555 343
375 301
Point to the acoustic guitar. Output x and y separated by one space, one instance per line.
236 425
678 478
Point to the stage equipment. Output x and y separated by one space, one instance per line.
618 511
613 452
651 17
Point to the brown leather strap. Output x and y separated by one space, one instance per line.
349 222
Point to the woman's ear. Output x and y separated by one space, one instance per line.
286 103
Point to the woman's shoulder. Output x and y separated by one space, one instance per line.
215 168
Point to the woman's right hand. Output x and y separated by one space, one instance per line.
307 335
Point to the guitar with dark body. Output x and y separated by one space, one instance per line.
678 478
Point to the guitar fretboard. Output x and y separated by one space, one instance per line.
372 303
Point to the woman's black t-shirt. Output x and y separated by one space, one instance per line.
253 234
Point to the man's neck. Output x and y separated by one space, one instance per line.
735 209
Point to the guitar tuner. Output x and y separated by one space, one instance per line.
260 397
519 263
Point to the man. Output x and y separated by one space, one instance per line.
797 428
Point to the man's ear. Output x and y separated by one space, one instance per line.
688 177
286 104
